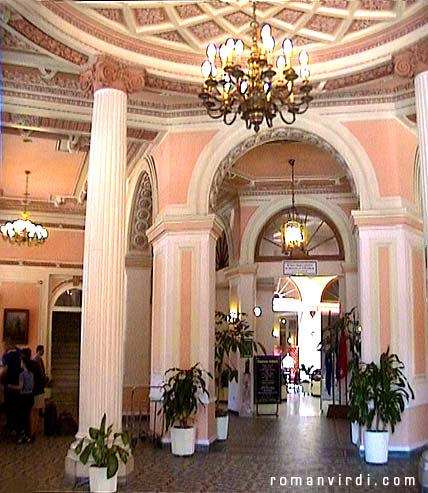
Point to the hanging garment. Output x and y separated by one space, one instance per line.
328 371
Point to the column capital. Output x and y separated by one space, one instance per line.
241 270
108 72
412 61
185 225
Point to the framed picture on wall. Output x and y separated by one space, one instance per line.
15 325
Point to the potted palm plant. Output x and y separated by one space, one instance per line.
357 403
183 391
231 336
378 397
103 453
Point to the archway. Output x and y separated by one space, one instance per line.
229 144
138 268
65 347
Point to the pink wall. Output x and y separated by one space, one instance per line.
412 432
419 335
175 160
62 246
22 295
186 309
236 233
246 213
391 148
384 298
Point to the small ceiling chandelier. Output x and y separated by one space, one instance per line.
23 231
292 231
257 91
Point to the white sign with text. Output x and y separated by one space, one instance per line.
300 267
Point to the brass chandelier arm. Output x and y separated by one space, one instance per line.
255 87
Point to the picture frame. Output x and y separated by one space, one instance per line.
15 325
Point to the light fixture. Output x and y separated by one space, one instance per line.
257 91
23 231
292 231
275 332
289 338
232 318
257 310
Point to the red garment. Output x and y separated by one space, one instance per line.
343 356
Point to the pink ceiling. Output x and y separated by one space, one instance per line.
271 161
52 172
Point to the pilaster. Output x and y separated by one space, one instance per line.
393 311
183 323
242 296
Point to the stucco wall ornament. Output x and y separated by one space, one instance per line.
108 72
275 134
142 214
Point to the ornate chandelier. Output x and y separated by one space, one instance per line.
22 230
257 91
292 231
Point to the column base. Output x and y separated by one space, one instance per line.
75 470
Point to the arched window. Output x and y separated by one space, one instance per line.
70 298
323 238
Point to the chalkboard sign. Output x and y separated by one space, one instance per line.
267 379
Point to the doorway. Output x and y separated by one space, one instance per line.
65 351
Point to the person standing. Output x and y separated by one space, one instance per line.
26 399
39 387
40 351
10 377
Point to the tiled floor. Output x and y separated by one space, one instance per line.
257 449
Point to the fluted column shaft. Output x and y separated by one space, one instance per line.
421 93
102 345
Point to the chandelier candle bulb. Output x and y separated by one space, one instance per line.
259 89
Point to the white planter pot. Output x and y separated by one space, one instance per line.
222 427
376 446
98 482
182 441
355 432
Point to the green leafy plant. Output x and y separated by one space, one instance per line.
231 336
378 393
101 446
349 323
183 392
389 390
358 392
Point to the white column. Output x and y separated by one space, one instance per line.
101 359
103 306
421 96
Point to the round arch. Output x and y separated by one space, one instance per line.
265 212
56 293
231 143
143 177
